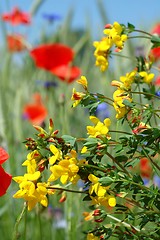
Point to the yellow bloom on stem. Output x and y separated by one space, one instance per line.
101 198
66 170
57 154
101 53
95 187
83 82
147 77
77 97
114 32
100 128
91 236
121 111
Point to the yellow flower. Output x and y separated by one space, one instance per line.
66 170
100 128
57 154
95 187
101 53
101 197
90 236
83 82
147 77
77 97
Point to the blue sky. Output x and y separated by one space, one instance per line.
141 13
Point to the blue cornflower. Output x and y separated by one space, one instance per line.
158 93
102 111
51 17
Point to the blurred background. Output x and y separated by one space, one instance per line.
31 95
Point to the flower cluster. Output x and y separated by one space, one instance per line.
114 37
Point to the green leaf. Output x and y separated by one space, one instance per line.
69 139
131 27
106 181
128 103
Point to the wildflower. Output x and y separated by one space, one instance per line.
99 128
35 112
147 77
50 56
145 168
66 170
115 34
15 43
102 111
156 29
83 82
16 17
57 154
157 81
77 97
66 72
91 236
142 126
5 178
102 197
101 53
51 17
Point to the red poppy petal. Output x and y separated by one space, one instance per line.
5 181
49 56
66 73
3 155
36 114
17 17
155 52
156 29
157 81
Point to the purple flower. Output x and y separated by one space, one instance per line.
102 111
158 93
156 181
46 84
51 17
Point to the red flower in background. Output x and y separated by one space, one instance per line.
5 178
15 43
35 112
66 73
145 168
155 52
16 17
157 81
57 59
156 29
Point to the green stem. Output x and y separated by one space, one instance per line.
114 160
15 231
140 31
65 189
123 223
147 94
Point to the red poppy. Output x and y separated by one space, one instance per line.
35 112
17 17
156 29
5 178
157 81
145 168
15 43
49 56
66 73
155 54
